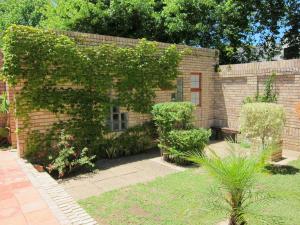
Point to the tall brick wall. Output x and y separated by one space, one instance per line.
200 61
235 82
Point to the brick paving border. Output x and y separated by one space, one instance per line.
64 207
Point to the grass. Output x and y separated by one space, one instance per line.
183 198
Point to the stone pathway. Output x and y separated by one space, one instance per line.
28 197
117 173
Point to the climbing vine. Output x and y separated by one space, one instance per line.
83 82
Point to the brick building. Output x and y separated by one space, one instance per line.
217 96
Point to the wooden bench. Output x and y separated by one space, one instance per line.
226 133
230 133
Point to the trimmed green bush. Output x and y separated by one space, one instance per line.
176 133
172 115
180 142
262 120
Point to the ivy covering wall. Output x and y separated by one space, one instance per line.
64 77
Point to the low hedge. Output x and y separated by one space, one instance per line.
180 142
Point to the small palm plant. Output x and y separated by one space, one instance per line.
236 177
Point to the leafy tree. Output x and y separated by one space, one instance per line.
127 18
292 36
268 18
78 15
22 12
243 31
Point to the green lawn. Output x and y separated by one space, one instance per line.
183 198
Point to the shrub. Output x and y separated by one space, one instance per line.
69 158
262 120
180 142
172 115
134 140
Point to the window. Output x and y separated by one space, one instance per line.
118 121
178 96
196 88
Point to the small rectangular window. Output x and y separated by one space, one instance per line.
196 88
195 81
117 121
195 98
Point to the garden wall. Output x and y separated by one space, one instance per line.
235 82
199 61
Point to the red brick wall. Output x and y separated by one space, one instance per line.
235 82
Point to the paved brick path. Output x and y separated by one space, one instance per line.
20 202
28 197
118 173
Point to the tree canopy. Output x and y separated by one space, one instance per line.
242 30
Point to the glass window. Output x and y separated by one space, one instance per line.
196 88
195 81
195 98
117 121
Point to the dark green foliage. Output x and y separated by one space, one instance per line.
180 142
292 36
139 138
39 147
49 63
234 27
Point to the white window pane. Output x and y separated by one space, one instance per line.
194 78
195 82
195 98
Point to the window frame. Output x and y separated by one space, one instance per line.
119 120
197 90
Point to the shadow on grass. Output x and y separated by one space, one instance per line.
282 169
